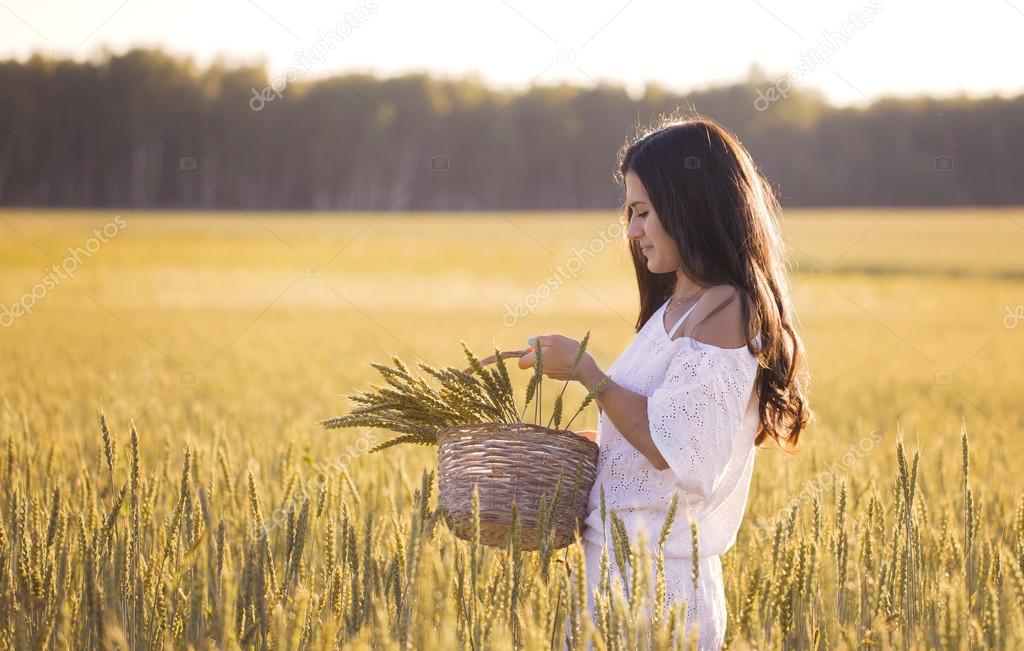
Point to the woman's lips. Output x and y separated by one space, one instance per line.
645 249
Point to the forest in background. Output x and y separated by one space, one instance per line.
143 129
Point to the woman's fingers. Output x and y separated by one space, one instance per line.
529 359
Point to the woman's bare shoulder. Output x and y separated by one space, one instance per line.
717 319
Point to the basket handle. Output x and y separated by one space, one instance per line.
491 359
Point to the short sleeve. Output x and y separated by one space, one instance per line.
697 411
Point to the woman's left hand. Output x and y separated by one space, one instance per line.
559 352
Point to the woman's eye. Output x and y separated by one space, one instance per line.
630 214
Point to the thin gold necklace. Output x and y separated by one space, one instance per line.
688 298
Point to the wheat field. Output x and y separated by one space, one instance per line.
166 482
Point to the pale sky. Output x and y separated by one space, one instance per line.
903 47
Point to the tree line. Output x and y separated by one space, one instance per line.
143 129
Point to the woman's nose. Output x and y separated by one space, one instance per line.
633 231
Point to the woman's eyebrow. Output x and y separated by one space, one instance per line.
636 202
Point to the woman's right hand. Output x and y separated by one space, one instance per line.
589 434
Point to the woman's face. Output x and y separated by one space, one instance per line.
644 226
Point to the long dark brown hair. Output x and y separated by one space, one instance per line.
724 217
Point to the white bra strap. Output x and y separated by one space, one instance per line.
672 331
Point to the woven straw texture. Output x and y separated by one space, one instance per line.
521 463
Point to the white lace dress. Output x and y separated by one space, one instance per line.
702 410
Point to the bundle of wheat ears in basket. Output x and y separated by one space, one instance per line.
529 479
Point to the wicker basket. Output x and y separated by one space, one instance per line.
515 462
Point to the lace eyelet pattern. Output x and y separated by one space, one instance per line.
703 417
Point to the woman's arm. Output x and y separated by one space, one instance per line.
721 317
627 411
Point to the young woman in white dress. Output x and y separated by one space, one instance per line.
715 368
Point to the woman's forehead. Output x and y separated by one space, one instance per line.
634 188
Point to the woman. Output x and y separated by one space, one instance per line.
714 369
